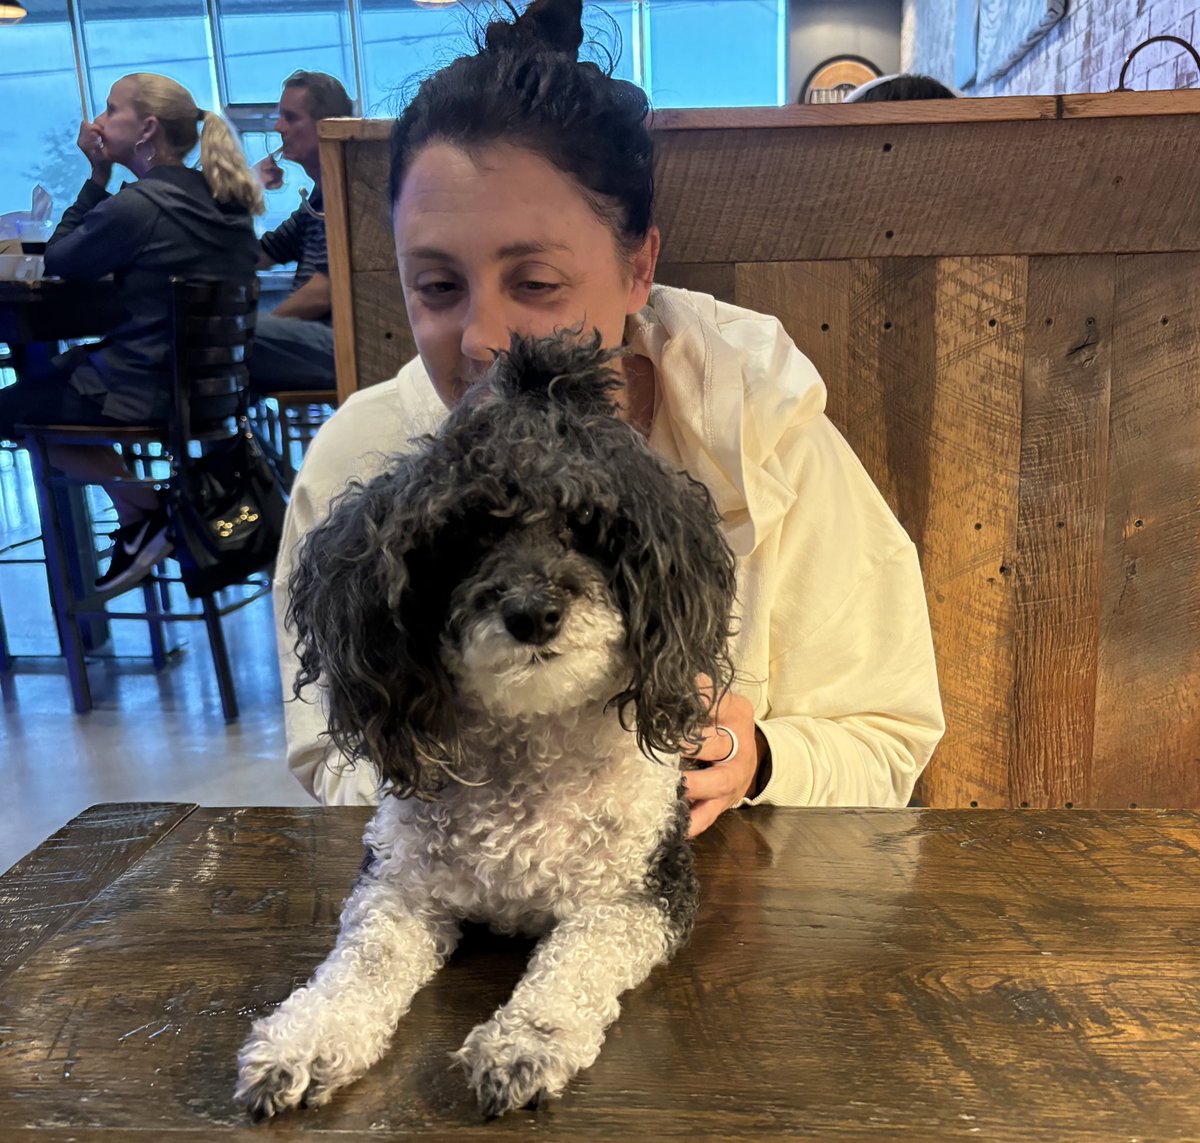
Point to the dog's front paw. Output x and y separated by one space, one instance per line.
512 1064
275 1075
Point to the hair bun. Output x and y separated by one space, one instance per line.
548 25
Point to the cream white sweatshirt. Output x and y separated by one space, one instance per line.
833 648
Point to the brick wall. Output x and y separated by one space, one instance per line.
1083 52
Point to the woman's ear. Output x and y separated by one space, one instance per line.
642 271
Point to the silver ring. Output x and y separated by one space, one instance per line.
734 745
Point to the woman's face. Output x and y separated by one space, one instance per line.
503 242
120 125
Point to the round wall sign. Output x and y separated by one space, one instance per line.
833 80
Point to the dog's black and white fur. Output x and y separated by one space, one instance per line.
509 624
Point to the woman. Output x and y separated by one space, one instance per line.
521 185
175 220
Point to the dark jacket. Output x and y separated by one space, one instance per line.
167 223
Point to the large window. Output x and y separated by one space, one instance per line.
684 52
700 54
121 36
40 108
261 43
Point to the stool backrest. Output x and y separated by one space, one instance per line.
212 331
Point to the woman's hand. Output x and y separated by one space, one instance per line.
724 781
91 143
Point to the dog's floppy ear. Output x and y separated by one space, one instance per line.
676 581
360 633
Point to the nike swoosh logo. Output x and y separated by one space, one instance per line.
130 547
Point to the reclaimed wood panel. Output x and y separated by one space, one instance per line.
1011 108
917 189
1147 748
1037 964
1060 534
372 245
716 278
380 326
337 236
922 358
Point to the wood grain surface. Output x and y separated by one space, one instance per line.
854 975
337 239
1148 688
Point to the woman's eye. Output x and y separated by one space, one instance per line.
541 288
437 291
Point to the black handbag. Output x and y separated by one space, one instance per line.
228 515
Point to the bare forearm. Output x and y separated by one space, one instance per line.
311 302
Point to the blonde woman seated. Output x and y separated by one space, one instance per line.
174 220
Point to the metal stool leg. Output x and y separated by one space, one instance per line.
158 642
5 657
59 578
220 654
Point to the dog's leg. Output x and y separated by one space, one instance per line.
331 1030
554 1024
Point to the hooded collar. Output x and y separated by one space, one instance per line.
730 384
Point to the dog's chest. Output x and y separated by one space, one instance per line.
536 839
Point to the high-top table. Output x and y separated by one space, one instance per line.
854 975
35 316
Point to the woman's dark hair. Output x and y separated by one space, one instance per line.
907 85
527 87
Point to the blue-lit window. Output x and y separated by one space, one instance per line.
704 54
40 108
404 42
170 37
696 53
262 43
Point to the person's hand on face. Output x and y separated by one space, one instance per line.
269 172
729 762
91 142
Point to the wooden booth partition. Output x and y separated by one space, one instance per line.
1003 296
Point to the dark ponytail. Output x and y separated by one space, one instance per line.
526 86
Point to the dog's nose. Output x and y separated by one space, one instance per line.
532 618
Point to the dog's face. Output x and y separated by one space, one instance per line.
531 558
533 627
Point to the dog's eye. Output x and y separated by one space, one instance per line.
582 517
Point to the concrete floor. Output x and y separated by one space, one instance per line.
152 736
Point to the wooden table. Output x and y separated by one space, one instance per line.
855 975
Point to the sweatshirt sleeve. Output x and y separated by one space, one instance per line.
854 709
355 442
316 763
836 641
99 233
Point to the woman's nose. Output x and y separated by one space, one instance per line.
485 332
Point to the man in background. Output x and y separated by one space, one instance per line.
293 344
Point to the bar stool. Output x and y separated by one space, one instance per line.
212 328
288 420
